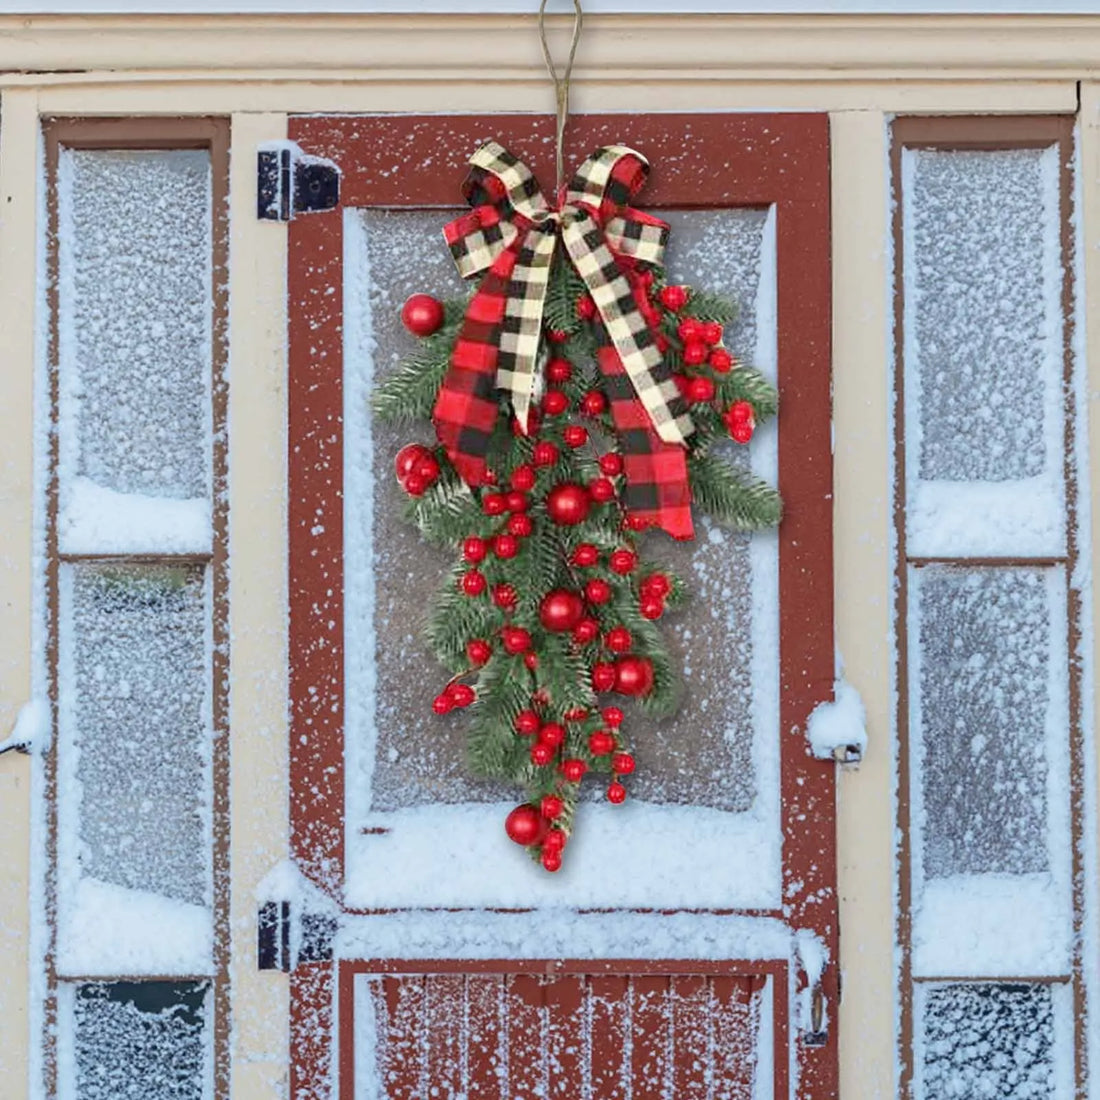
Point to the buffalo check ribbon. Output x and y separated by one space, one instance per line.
511 234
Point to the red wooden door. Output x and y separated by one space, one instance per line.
675 956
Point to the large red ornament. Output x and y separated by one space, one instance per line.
561 610
408 458
525 825
568 504
422 314
633 675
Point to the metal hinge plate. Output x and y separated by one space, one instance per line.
290 182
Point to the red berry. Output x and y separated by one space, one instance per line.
616 793
742 433
587 630
494 504
597 591
560 610
531 660
682 383
618 640
473 582
556 336
576 714
575 435
656 584
611 464
559 371
593 403
441 704
415 485
427 468
551 806
674 297
662 343
651 607
515 639
585 555
601 490
613 716
506 546
574 770
694 353
525 825
638 523
527 722
622 561
552 734
740 412
462 695
408 458
478 650
422 314
603 676
711 332
688 330
520 525
633 675
622 763
586 308
523 478
551 859
474 549
720 360
554 402
541 754
504 596
700 390
545 453
600 743
517 501
554 840
567 504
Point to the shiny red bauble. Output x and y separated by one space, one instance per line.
494 504
586 631
545 453
505 546
478 650
622 561
541 754
616 793
474 549
552 734
554 402
527 723
618 640
656 584
611 464
551 806
674 297
622 763
712 333
462 695
700 390
422 314
574 770
600 743
613 716
597 591
473 582
559 371
523 478
593 403
525 825
633 675
585 555
601 489
517 501
515 639
651 607
689 330
720 360
554 841
408 458
561 610
531 660
575 435
551 859
604 676
520 525
586 308
568 504
504 596
695 353
441 704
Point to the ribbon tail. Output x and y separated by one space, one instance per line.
657 488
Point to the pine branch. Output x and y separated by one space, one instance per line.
748 384
743 505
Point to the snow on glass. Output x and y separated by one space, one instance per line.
407 768
134 769
983 351
979 1041
134 1041
134 349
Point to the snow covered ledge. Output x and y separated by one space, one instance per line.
837 729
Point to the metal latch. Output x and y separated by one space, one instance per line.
290 182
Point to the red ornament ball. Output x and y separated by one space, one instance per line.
613 716
527 723
422 314
541 754
504 596
415 484
694 353
593 403
545 453
531 660
462 695
559 371
604 676
575 435
616 793
408 458
556 336
515 640
656 584
720 360
552 734
473 582
622 561
576 714
689 331
561 610
601 490
651 608
554 840
741 433
585 555
478 650
586 631
597 591
633 675
523 478
520 525
551 806
494 504
567 504
551 859
574 770
712 333
525 825
441 704
554 402
505 546
618 640
622 763
611 464
600 743
700 390
586 308
474 549
674 297
517 501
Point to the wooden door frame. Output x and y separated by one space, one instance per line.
722 160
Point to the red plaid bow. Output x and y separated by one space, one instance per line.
511 234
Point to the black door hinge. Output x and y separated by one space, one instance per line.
290 182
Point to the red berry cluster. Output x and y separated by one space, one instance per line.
417 469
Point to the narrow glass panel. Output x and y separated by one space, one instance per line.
145 1040
134 348
983 352
134 769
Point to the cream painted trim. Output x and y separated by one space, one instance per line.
18 223
863 572
442 49
257 609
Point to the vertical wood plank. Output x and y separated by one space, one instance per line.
311 1002
566 1001
524 1013
651 1055
403 1055
733 1007
485 1037
445 1033
692 1037
609 1036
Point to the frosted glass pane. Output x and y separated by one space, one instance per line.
135 1041
134 767
977 1041
983 351
392 677
134 321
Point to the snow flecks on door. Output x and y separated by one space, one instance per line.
134 876
128 1041
558 1037
134 349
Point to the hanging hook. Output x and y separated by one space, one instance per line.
561 84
